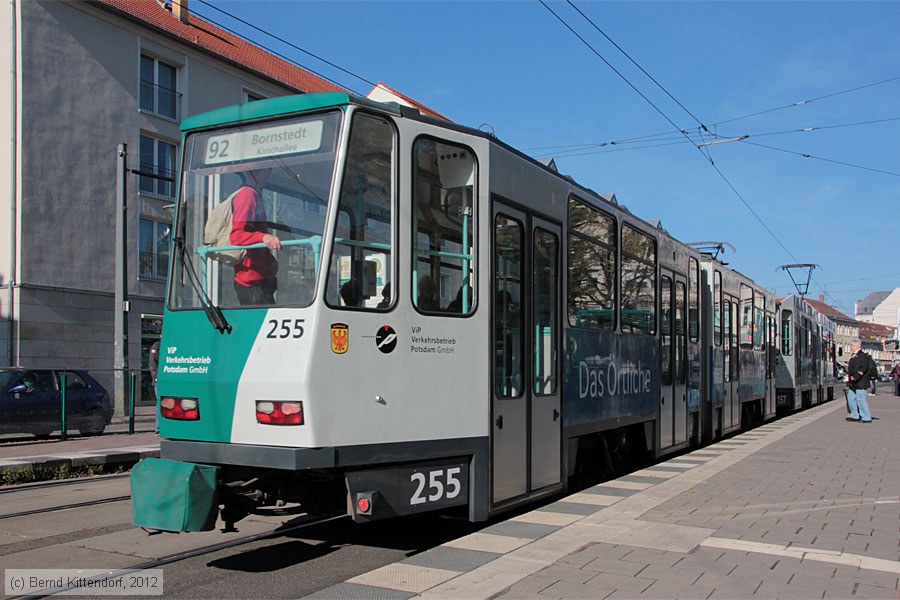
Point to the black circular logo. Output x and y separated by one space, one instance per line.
386 339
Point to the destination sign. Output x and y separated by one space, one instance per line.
263 143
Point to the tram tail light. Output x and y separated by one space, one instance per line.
181 409
279 412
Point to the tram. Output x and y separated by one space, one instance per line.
805 364
453 325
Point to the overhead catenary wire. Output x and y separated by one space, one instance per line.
292 45
635 63
273 52
806 155
811 100
621 76
658 137
823 127
573 153
682 131
780 108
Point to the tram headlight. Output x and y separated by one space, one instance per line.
182 409
279 412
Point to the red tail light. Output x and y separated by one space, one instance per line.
279 412
182 409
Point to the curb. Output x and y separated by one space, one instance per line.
119 457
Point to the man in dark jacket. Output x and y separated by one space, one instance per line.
859 372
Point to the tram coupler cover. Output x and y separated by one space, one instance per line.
174 496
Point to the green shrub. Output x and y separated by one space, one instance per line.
31 475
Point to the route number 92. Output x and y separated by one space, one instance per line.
285 328
436 485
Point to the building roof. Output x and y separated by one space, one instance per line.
873 331
214 40
829 311
867 305
384 93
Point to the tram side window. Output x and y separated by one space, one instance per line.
361 268
680 353
545 300
444 228
694 301
735 346
638 312
717 309
591 267
786 329
746 317
509 253
665 332
759 321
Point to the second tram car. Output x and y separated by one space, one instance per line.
805 356
452 324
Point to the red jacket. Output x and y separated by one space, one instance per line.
248 227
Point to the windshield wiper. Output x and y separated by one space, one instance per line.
213 312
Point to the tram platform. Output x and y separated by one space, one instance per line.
115 447
804 507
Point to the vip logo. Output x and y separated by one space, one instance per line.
172 349
386 339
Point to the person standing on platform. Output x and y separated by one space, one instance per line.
859 372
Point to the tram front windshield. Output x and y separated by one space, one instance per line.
279 177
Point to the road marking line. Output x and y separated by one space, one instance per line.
828 556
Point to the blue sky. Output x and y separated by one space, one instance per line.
515 67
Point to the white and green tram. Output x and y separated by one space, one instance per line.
454 325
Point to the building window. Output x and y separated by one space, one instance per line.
154 238
158 88
157 166
252 97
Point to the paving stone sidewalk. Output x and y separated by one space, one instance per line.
804 507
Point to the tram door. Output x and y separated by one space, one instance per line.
673 361
731 412
526 419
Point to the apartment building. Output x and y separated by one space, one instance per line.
82 78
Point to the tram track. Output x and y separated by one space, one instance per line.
50 509
53 485
279 531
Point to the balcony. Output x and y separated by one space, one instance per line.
160 101
156 181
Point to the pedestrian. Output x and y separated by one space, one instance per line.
859 372
895 377
153 366
254 277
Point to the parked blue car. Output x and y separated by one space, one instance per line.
30 402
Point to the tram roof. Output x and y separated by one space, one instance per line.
261 109
285 105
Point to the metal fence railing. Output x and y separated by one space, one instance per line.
44 400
